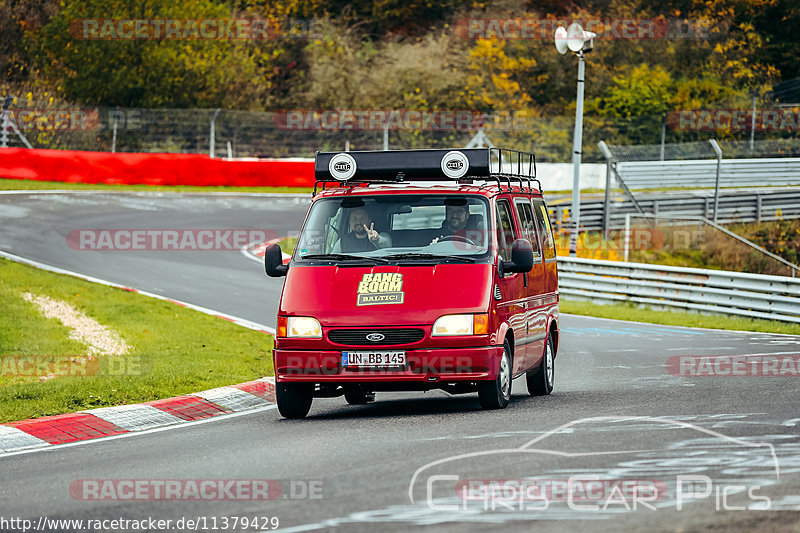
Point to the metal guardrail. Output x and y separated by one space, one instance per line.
668 287
702 173
752 206
793 269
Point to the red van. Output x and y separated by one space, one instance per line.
418 270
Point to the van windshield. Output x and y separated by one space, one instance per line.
396 228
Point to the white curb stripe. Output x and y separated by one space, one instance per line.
232 398
13 439
135 417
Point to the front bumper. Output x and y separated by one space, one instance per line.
422 366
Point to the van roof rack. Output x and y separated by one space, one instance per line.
398 166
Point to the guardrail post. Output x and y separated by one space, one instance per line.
607 198
627 235
4 137
758 208
718 151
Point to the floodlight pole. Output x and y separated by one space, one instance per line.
577 140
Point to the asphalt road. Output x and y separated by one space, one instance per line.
36 226
403 462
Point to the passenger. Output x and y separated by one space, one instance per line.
362 236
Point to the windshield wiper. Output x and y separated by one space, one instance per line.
412 255
344 257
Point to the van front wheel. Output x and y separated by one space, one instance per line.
496 394
294 399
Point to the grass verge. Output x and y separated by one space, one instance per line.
676 318
288 244
34 185
175 350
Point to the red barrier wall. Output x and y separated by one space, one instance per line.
152 169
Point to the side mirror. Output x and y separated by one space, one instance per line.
521 257
273 261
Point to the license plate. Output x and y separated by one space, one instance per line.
380 358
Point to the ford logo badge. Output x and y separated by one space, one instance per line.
375 337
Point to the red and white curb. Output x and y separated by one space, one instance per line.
111 421
256 250
123 419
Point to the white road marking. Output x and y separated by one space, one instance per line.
679 327
236 320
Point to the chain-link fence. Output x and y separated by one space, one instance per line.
704 150
300 133
223 133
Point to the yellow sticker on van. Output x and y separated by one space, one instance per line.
381 288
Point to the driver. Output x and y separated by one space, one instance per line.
362 236
455 220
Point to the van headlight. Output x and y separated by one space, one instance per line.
303 327
451 325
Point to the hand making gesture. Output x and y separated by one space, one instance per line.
372 234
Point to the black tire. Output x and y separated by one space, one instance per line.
357 396
496 394
540 380
294 399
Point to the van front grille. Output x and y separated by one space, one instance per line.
359 337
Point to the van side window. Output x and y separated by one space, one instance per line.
505 230
543 218
525 214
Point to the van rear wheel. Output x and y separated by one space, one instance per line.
294 399
496 394
540 380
